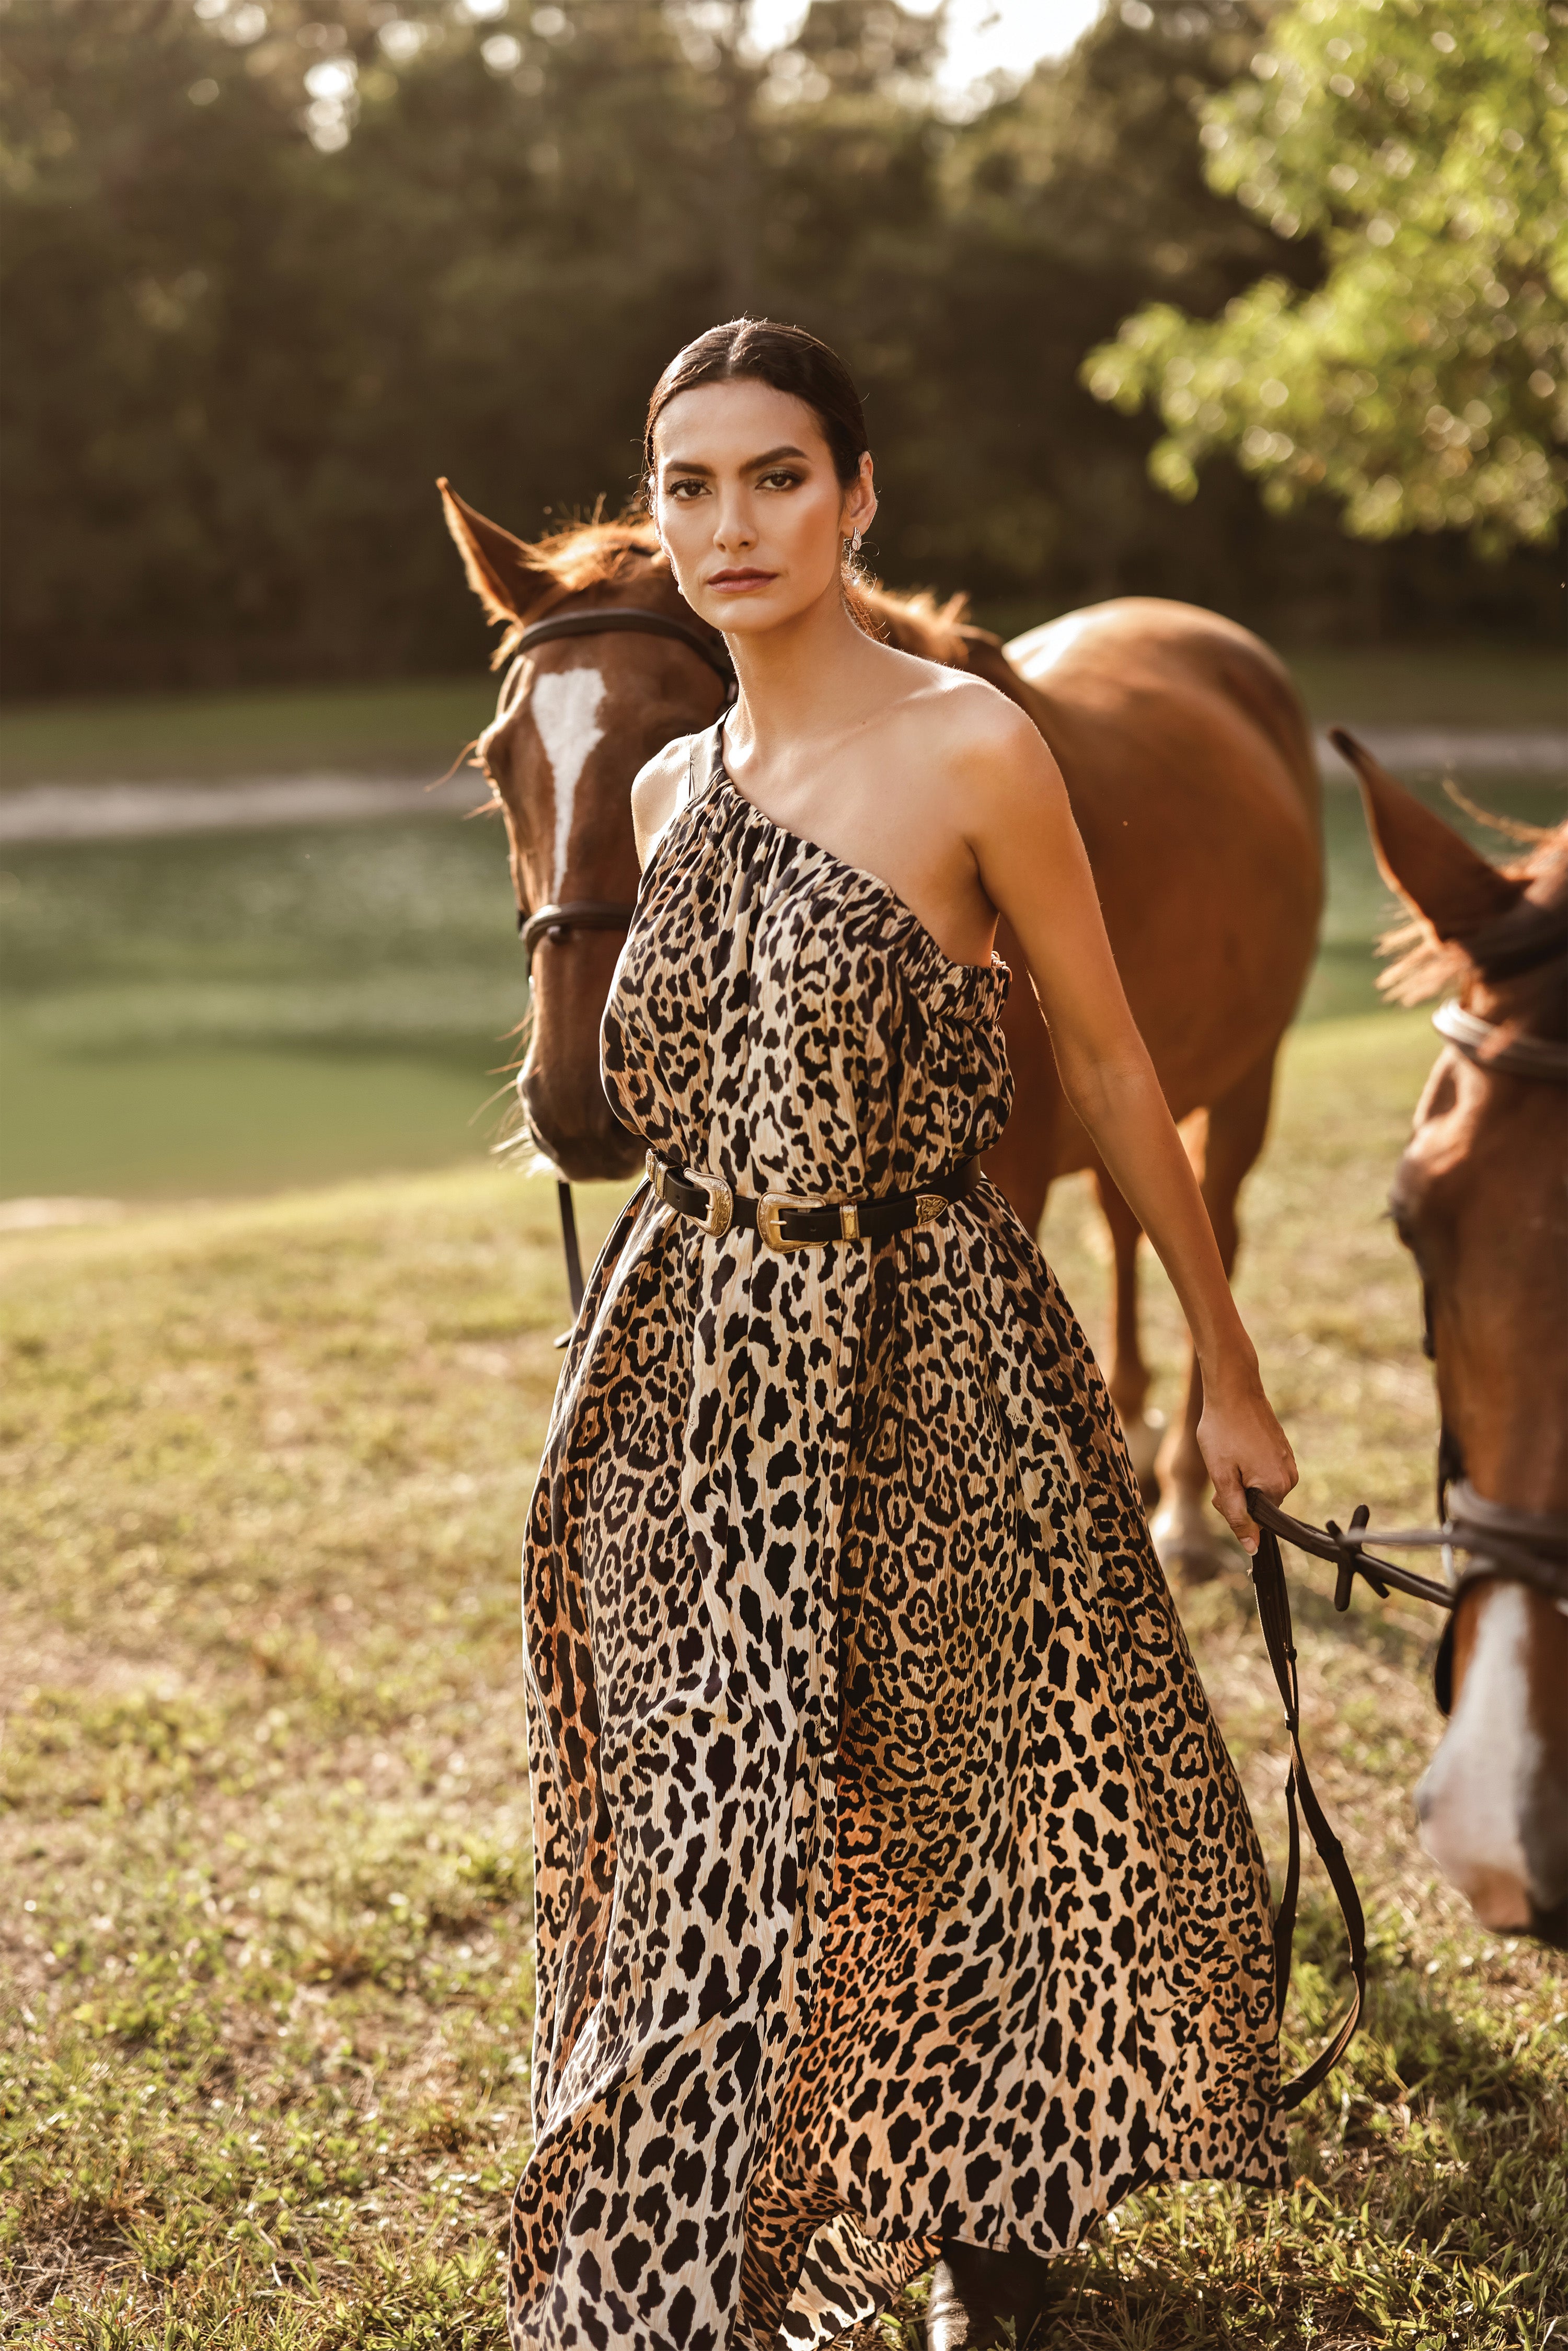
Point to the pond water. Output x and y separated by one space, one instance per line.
237 1011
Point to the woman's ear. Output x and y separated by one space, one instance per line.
859 500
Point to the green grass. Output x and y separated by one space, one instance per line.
265 1986
417 729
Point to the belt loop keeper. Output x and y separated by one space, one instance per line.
850 1221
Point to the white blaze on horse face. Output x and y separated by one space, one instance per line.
1473 1801
565 706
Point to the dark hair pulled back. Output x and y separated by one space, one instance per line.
789 360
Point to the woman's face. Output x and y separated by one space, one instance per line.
747 504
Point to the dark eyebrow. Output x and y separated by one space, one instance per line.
768 457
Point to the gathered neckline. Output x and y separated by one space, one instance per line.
994 969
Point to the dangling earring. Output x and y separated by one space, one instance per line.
855 544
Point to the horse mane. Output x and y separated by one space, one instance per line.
598 554
581 555
1425 963
912 618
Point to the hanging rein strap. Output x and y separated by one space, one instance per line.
1274 1617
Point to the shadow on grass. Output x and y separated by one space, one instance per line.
1429 2207
1366 1625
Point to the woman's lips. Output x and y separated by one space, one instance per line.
738 581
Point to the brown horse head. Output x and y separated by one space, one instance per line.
577 717
1480 1199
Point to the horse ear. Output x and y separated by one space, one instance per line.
1439 876
501 570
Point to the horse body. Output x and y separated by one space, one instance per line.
1189 764
1480 1199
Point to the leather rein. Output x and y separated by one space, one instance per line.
556 922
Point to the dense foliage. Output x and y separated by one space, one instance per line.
272 265
1424 144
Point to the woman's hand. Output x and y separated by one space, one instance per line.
1243 1444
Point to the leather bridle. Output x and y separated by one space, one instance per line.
558 922
1514 1057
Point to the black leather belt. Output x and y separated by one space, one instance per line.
785 1223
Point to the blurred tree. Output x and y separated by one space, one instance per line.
1061 208
1424 383
270 266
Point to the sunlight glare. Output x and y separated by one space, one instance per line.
984 37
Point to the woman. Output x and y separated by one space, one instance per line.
896 1900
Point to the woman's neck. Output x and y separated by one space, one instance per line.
809 678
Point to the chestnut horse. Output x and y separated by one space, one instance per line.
1480 1199
1189 765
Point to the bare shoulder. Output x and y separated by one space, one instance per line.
657 792
971 731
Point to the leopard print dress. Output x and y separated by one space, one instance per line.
892 1880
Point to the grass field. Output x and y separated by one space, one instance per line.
266 1966
416 729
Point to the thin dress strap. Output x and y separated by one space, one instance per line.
714 764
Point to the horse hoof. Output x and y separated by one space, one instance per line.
1188 1551
982 2301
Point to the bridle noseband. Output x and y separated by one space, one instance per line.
1482 1042
556 923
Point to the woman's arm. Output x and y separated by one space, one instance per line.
1033 867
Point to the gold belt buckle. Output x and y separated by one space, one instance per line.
720 1198
769 1208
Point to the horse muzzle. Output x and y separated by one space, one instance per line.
577 1131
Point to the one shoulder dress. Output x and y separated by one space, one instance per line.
892 1880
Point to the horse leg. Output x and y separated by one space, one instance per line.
1129 1375
1186 1535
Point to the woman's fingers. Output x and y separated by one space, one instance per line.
1271 1467
1230 1501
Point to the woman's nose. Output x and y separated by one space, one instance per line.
735 528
